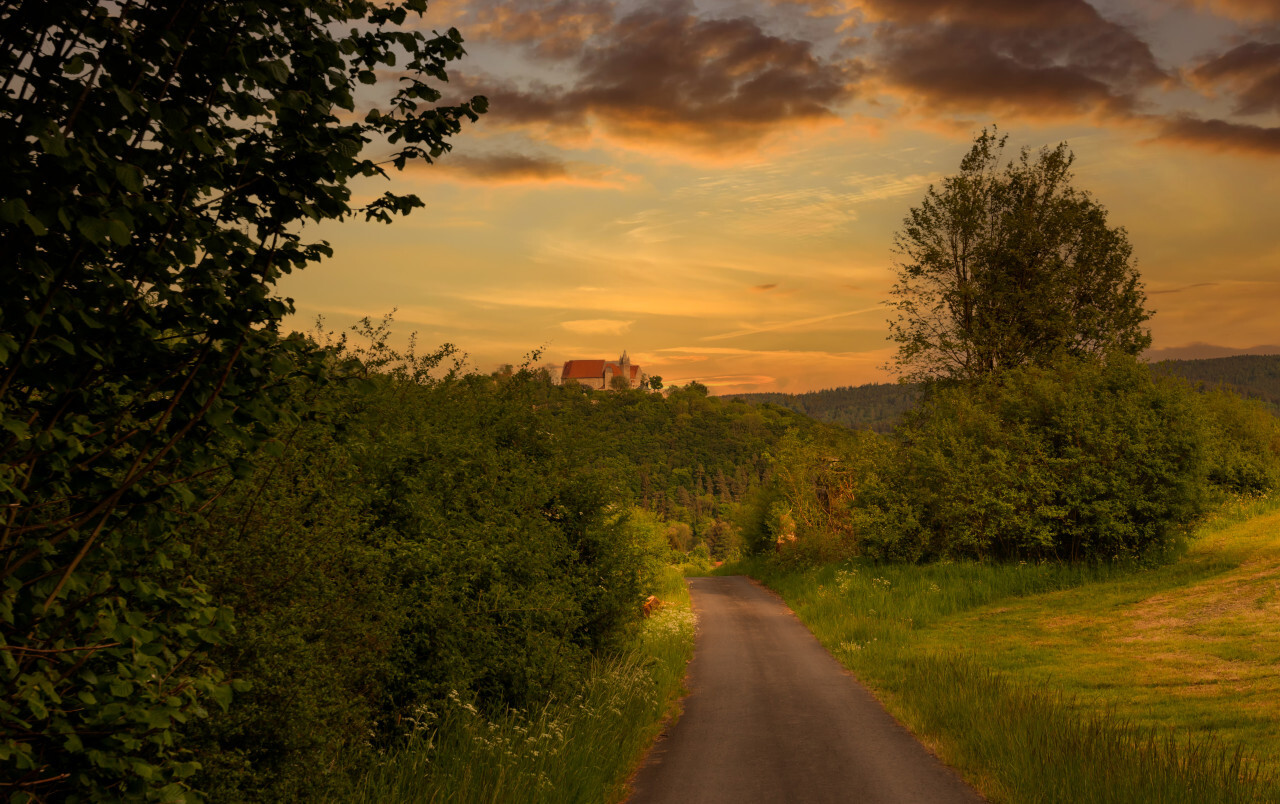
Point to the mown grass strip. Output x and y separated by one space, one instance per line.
954 652
577 750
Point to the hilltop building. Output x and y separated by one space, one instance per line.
599 374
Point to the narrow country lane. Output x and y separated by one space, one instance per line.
772 717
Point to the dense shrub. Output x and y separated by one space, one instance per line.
1244 443
412 538
1082 460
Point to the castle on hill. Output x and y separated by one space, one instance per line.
600 374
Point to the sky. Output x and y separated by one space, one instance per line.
714 186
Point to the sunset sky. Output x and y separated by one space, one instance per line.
714 186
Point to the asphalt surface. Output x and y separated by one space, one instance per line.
772 717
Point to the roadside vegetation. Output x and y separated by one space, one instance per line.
1111 682
555 752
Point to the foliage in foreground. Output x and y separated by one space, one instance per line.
160 159
415 536
578 748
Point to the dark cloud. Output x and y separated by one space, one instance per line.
763 288
1250 72
1034 59
506 167
664 74
520 168
1183 288
1221 135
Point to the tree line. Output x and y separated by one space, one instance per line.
1253 376
881 406
873 406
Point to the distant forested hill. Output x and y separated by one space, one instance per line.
877 406
1257 376
880 406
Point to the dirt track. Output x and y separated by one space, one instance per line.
772 717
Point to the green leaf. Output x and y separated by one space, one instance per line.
278 70
183 770
221 695
36 226
53 143
130 177
13 210
93 229
61 343
126 100
118 232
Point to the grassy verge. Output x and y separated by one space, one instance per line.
1053 683
578 750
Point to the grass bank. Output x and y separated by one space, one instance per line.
576 750
1047 682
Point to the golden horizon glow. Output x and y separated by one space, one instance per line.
715 187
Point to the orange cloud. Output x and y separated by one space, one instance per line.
555 30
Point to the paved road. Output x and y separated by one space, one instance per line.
772 717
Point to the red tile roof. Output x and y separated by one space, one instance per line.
582 370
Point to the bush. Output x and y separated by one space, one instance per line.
1081 460
1244 443
413 538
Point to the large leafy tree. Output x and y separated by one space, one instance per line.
1004 266
159 159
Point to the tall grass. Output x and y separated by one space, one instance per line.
1015 737
576 750
1030 743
